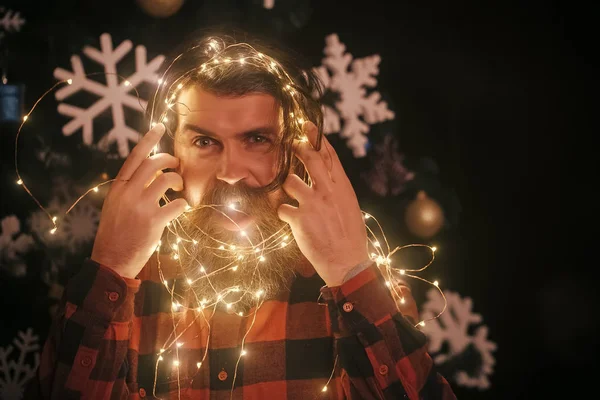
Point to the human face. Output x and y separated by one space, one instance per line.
227 139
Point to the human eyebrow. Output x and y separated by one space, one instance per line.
267 131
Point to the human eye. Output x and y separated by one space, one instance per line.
204 142
258 139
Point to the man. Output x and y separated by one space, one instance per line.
262 285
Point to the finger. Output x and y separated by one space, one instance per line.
149 168
327 152
296 188
173 210
168 180
141 151
287 213
313 162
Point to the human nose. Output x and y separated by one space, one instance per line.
232 168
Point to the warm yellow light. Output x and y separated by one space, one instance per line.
179 344
189 281
20 182
54 219
25 118
422 323
70 81
96 189
433 248
127 83
234 268
260 293
243 352
160 81
324 389
436 283
176 363
402 301
180 86
402 272
198 364
376 244
261 258
52 231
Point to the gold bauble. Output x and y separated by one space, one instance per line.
160 8
424 217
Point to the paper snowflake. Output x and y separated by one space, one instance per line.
13 245
388 175
11 21
113 94
350 78
75 229
16 372
453 327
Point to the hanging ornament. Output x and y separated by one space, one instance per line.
424 217
160 8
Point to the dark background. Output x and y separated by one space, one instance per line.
500 94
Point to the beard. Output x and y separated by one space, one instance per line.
237 267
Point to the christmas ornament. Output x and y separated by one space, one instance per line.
350 79
160 8
424 217
454 328
388 175
114 95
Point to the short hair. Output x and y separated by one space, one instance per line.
236 64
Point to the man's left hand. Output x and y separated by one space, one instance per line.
328 224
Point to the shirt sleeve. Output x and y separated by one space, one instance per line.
380 351
85 353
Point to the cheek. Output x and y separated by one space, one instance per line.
265 168
196 175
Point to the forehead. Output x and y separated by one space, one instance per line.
226 113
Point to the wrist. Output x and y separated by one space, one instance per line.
346 274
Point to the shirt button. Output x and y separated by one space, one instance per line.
113 296
383 369
86 361
222 375
348 306
142 392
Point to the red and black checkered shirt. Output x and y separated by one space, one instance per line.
106 344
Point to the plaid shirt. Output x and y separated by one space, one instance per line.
107 340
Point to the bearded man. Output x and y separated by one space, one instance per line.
232 258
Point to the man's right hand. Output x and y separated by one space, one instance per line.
132 220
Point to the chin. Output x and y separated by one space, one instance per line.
237 225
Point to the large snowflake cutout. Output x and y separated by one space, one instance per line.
113 94
16 372
350 78
453 327
13 245
75 229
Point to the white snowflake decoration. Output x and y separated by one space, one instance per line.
350 78
15 373
75 229
13 244
114 94
11 21
453 327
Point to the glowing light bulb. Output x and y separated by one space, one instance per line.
324 389
198 364
234 268
180 86
227 60
160 358
422 323
160 81
402 301
376 244
243 233
228 306
54 219
20 182
436 283
367 216
433 248
232 247
221 247
286 237
174 246
194 241
300 121
52 231
283 244
127 83
257 250
96 189
25 118
188 207
179 344
242 60
175 306
240 314
260 293
243 353
232 206
178 240
402 272
176 363
189 281
166 283
202 269
70 81
165 119
162 351
388 284
261 259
